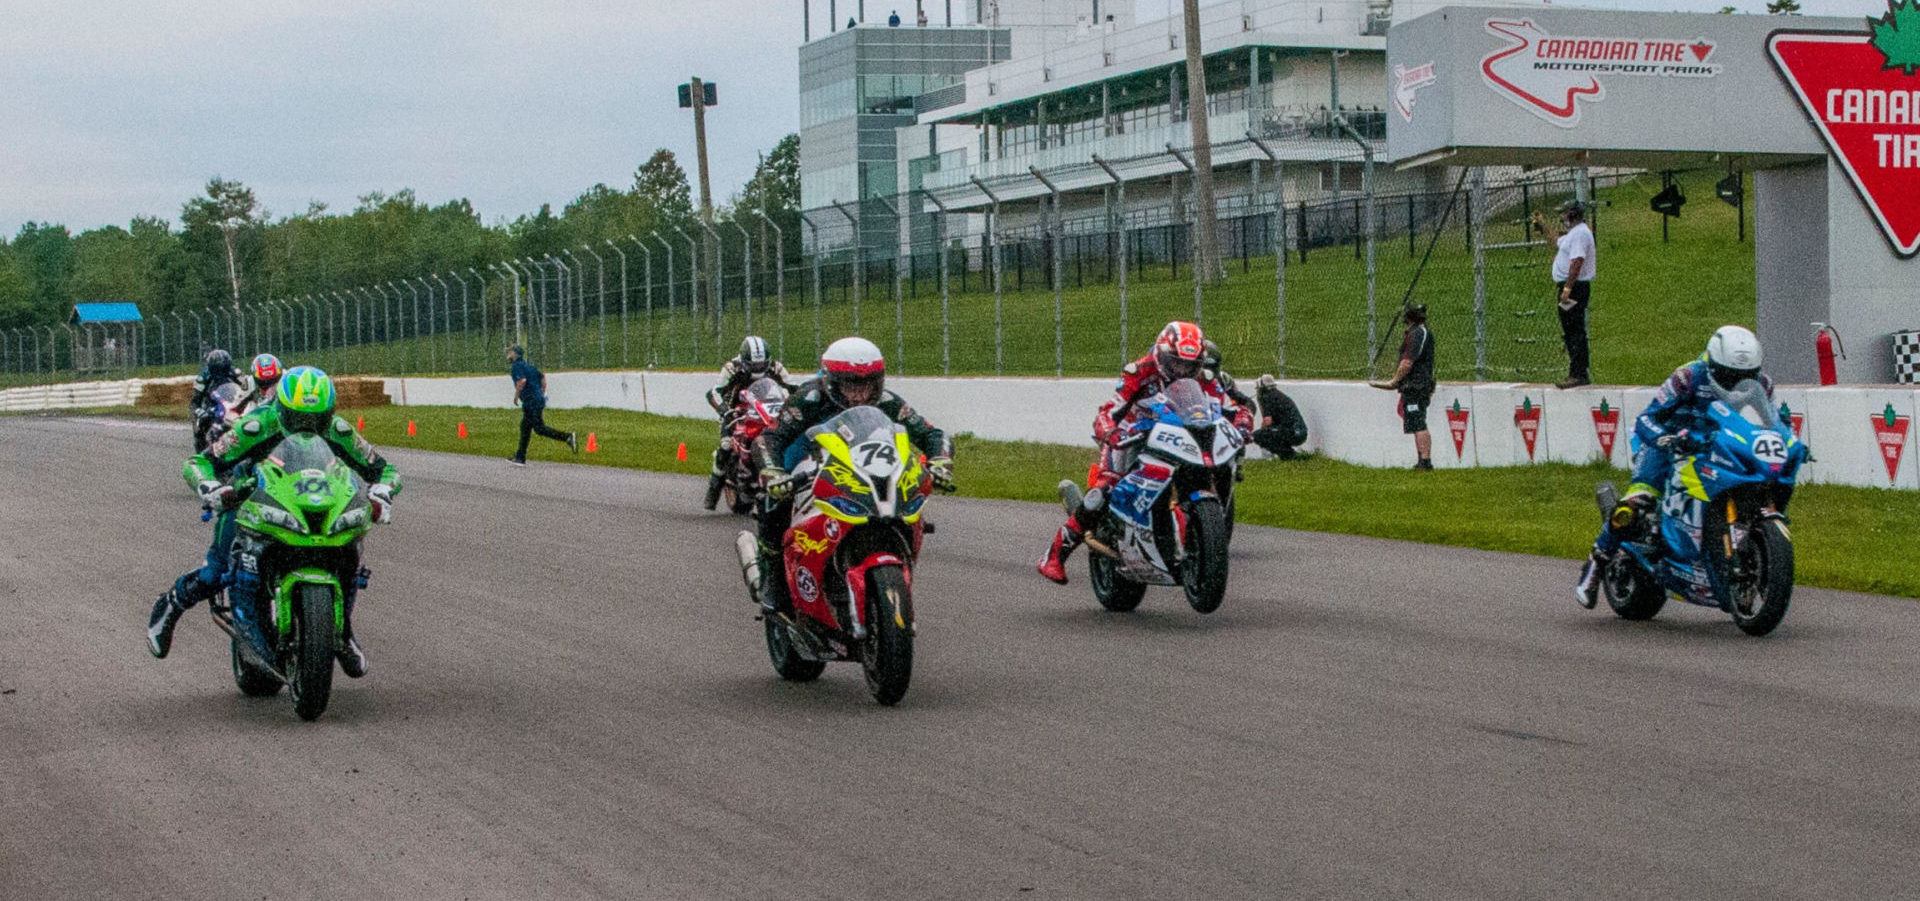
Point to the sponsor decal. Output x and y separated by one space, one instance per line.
1606 426
807 545
1407 84
1863 94
1553 76
1457 424
1527 418
1891 432
1796 419
804 581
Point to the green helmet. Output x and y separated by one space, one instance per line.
305 399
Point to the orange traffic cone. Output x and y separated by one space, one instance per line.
593 444
409 428
463 430
681 454
360 423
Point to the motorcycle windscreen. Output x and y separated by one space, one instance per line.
875 458
1191 403
1748 400
767 391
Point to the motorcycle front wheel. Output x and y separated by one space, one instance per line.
1766 560
1204 574
311 669
887 656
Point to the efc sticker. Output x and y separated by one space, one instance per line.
1606 427
1457 424
1863 95
1890 432
804 581
1554 76
1526 418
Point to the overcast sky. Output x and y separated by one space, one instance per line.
111 109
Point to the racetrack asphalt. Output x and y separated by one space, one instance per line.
570 698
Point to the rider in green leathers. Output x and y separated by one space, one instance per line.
303 402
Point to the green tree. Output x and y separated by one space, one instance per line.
230 211
662 186
1783 8
775 188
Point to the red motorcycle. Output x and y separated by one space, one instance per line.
850 553
756 410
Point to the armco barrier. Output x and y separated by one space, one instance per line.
1497 424
71 395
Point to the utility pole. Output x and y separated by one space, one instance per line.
699 95
1206 245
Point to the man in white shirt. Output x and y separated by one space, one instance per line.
1573 267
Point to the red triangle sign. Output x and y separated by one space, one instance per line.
1606 426
1527 418
1457 424
1864 106
1890 432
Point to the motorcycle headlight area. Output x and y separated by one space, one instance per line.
274 516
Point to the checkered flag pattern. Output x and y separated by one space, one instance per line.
1906 357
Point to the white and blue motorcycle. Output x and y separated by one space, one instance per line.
1169 520
1721 538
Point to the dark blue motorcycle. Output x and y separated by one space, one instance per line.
1720 538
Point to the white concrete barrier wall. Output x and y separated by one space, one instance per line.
71 395
1486 424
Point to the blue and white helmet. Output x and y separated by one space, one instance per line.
754 356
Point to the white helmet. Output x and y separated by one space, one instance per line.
1733 354
853 359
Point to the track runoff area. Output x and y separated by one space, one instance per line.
570 698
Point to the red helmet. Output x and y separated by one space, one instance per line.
1179 350
266 369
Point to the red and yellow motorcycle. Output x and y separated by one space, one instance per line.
850 554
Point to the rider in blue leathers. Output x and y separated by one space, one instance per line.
1733 355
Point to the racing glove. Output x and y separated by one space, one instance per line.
1679 441
779 482
381 498
941 470
218 495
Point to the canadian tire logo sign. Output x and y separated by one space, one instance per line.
1457 424
1406 87
1526 418
1863 94
1554 76
1890 431
1606 427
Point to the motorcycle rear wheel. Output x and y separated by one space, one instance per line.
887 656
1761 603
1204 574
253 681
1631 591
1111 587
311 669
786 658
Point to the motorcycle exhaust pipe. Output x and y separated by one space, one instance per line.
748 547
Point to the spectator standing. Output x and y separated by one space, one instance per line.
530 393
1414 381
893 19
1282 429
920 17
1573 269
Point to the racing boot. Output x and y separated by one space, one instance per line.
715 480
774 597
1633 510
1587 591
166 614
1054 564
353 660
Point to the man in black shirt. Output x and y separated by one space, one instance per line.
1414 381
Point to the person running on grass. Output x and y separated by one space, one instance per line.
530 393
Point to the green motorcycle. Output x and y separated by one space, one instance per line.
306 511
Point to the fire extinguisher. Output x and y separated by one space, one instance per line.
1825 342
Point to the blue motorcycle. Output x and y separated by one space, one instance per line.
1720 538
1169 520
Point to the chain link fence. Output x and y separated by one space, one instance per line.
1312 289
